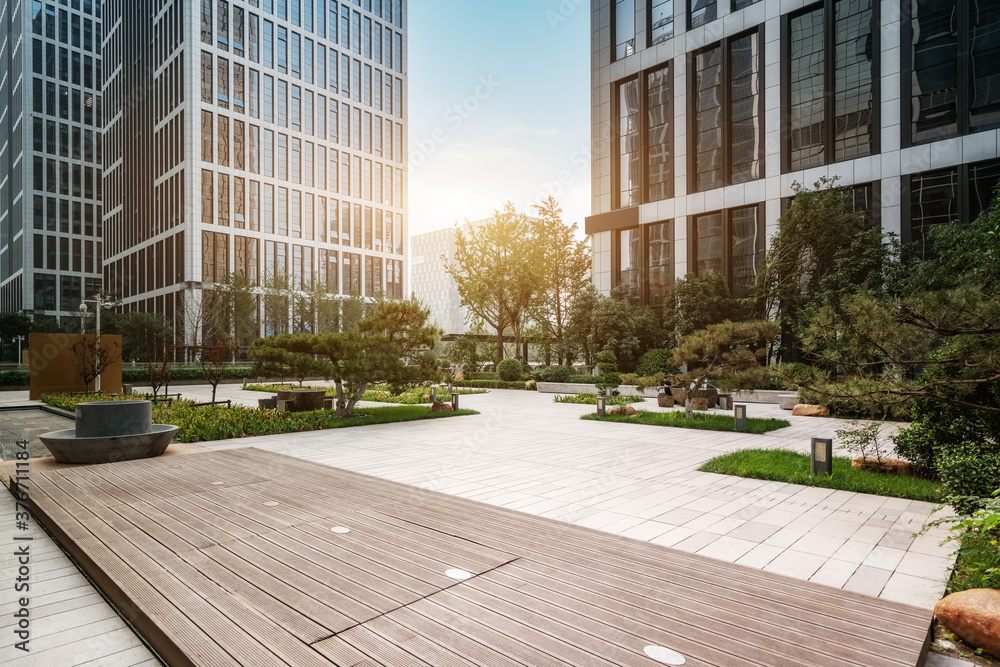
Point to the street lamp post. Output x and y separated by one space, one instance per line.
19 339
99 302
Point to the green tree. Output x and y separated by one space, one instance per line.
277 303
618 325
384 347
566 274
814 230
235 308
735 352
277 351
694 302
497 271
140 332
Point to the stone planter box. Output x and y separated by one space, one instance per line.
302 400
110 431
787 401
758 396
680 395
579 388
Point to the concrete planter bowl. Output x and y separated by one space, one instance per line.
110 431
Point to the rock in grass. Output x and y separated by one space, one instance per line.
973 615
805 410
438 406
529 385
625 410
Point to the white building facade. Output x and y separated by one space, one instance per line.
264 138
705 112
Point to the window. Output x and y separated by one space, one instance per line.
239 155
239 86
253 38
223 200
282 50
207 136
661 21
207 94
239 203
268 44
222 25
726 99
841 60
701 12
206 21
729 243
955 65
223 83
207 199
624 28
223 141
659 130
254 94
628 144
630 262
660 261
958 194
238 30
296 56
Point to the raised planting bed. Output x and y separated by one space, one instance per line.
701 420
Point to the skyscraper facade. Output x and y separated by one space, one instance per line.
50 156
263 138
706 112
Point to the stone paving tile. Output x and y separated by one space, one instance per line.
727 548
795 564
868 580
913 590
818 544
834 573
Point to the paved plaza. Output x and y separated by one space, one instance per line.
525 452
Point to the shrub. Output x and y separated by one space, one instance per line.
969 473
607 362
510 370
482 376
554 374
493 384
916 444
14 378
654 361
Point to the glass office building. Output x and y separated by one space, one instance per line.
50 156
705 112
264 138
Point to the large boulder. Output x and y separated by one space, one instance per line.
806 410
625 410
529 385
438 406
459 376
973 615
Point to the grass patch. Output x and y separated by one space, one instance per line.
978 562
591 399
414 396
782 465
702 420
221 423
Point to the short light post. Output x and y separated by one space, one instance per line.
434 394
740 417
821 457
608 392
19 339
454 401
99 302
601 406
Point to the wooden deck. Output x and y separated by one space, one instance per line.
228 558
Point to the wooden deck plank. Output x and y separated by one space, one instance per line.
213 575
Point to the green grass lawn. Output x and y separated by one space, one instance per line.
978 562
591 399
702 420
782 465
201 424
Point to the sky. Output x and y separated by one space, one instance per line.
499 108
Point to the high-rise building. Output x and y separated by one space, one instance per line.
50 156
264 138
706 112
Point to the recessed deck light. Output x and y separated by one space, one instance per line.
664 655
340 529
461 575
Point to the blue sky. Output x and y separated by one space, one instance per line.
499 108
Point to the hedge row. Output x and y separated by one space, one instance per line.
490 384
139 374
14 378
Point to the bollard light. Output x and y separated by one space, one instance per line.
601 403
740 415
608 392
821 457
454 400
434 394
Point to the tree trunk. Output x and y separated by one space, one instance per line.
689 407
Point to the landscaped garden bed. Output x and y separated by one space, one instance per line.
591 399
206 423
782 465
701 420
414 396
